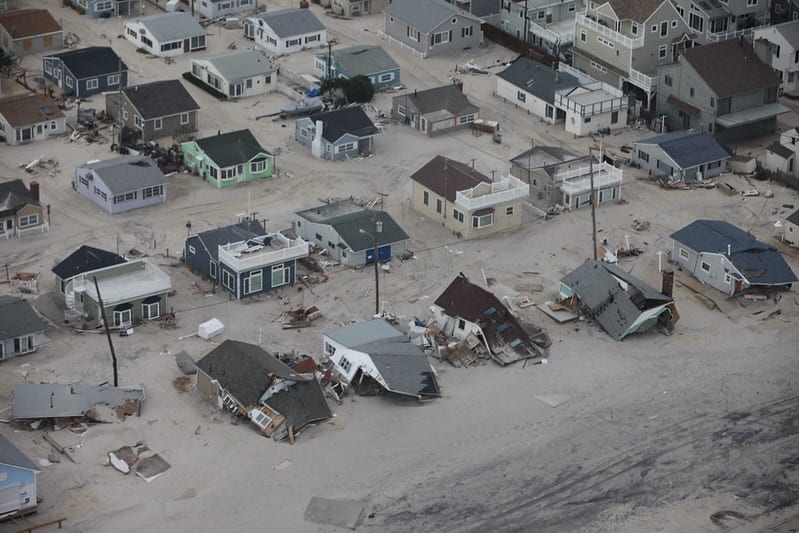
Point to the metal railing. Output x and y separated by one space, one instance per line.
564 99
506 189
578 180
295 249
627 42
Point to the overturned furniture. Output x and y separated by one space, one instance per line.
621 303
253 384
35 401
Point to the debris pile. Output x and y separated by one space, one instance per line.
140 459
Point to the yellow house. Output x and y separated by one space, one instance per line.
465 200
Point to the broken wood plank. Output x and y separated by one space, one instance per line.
49 438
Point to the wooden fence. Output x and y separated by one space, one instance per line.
503 38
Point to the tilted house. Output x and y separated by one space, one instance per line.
154 110
465 310
699 92
30 117
681 155
213 9
244 258
121 183
21 328
131 290
360 60
466 201
286 31
431 27
778 47
18 478
435 111
228 159
86 71
339 134
728 258
237 74
20 210
251 383
378 354
347 232
166 34
621 303
29 31
532 86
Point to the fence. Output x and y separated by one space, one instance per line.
503 38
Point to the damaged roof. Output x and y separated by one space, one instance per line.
303 403
447 97
507 338
245 370
12 456
597 285
28 23
760 263
26 109
214 238
160 98
18 318
55 400
402 365
85 259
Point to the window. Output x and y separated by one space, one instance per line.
312 38
30 220
348 147
457 215
727 278
509 211
147 42
413 34
439 205
691 92
548 112
158 124
400 111
683 253
606 42
212 269
103 6
466 119
673 23
483 221
614 117
386 77
166 47
280 275
345 364
293 42
662 51
467 31
583 36
137 121
150 310
586 120
253 282
520 96
48 67
705 266
124 114
654 28
461 324
426 198
228 280
439 38
149 192
69 82
318 237
667 79
100 193
643 156
113 79
712 102
192 251
664 28
751 3
197 42
83 181
696 22
597 66
304 133
184 118
123 317
258 166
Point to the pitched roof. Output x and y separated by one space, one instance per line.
302 403
13 196
127 173
780 149
242 231
166 27
24 109
542 156
11 455
242 64
18 318
364 59
231 148
425 15
537 78
616 309
446 97
789 31
502 330
340 122
245 370
758 262
637 10
160 99
445 177
349 228
794 217
402 365
28 23
85 259
91 61
714 63
689 148
290 22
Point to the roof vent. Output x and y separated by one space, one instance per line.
47 111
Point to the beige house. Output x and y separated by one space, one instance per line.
466 201
20 209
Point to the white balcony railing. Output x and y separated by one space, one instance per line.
594 98
578 180
242 256
639 79
627 42
727 35
506 189
562 38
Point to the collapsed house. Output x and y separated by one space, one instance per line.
256 385
621 303
63 403
474 315
374 355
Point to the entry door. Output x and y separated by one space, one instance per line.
235 90
384 252
185 45
370 256
365 7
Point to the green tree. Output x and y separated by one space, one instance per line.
358 89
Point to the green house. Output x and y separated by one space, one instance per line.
227 159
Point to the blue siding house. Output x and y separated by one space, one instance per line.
86 71
244 258
17 481
339 134
360 60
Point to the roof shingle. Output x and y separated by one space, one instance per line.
730 67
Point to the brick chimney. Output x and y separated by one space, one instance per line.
667 284
35 190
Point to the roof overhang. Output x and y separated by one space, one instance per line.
748 116
682 105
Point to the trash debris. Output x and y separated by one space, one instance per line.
640 225
339 513
182 383
57 401
140 459
553 400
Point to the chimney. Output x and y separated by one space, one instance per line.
729 250
35 190
667 283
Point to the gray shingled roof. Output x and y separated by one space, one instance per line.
637 10
166 27
56 400
537 78
447 97
715 62
11 455
348 227
689 148
347 120
779 149
128 173
290 22
402 364
232 148
160 99
425 15
85 259
248 229
789 31
243 64
18 318
364 59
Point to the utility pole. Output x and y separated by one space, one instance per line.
107 332
525 26
119 110
377 229
593 200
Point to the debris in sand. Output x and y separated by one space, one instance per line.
340 513
138 458
182 383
